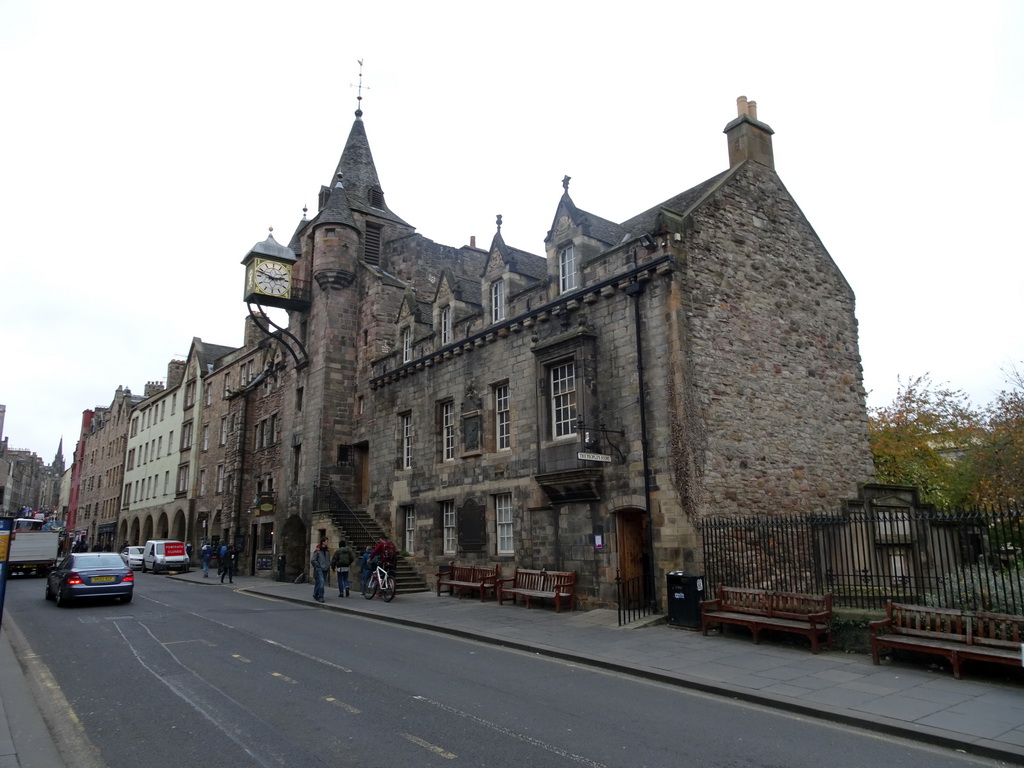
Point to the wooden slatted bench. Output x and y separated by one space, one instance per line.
482 578
558 586
950 633
759 609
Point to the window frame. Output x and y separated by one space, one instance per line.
568 270
449 446
446 325
498 300
405 434
563 399
504 526
502 417
449 526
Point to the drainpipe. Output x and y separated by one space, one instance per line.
635 290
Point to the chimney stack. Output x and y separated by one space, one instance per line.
175 373
748 137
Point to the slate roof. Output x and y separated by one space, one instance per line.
681 204
359 174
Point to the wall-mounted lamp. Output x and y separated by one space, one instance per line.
647 242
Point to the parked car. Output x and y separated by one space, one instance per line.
90 574
164 555
132 557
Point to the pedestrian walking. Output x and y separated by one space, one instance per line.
188 552
227 565
204 557
342 559
321 564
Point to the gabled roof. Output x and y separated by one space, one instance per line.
591 225
207 355
680 205
518 261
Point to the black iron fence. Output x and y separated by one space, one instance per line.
327 499
968 559
633 598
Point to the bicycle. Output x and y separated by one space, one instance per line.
382 581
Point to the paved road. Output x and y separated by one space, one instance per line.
186 676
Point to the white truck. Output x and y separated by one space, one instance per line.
33 547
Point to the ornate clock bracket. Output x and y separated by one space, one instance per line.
281 334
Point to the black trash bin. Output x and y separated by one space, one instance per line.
684 596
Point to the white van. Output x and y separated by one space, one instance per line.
164 555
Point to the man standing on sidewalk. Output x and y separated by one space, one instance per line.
321 563
343 557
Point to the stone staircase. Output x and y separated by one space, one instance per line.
362 530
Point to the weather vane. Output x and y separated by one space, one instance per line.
359 92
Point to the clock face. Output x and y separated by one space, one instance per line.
273 279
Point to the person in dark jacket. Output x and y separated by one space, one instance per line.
364 566
227 565
321 564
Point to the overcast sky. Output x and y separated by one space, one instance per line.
145 147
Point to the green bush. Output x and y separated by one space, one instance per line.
969 589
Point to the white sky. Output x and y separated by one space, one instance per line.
145 147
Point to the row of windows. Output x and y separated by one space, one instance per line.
568 280
150 451
504 533
145 488
151 416
563 416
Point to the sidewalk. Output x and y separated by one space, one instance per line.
976 714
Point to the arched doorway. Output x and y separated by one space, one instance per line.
178 527
162 529
133 536
147 530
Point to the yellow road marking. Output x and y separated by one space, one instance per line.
347 707
241 658
284 678
242 591
428 746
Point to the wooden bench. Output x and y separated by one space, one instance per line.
950 633
482 578
759 609
558 586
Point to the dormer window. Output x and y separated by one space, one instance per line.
406 345
497 301
446 325
567 277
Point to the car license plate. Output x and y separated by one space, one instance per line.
96 579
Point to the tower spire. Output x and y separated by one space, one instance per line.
359 92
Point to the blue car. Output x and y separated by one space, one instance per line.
90 574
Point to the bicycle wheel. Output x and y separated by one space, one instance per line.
388 590
370 588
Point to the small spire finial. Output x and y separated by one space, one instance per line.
565 182
359 93
499 222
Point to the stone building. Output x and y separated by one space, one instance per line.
148 503
100 456
580 409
